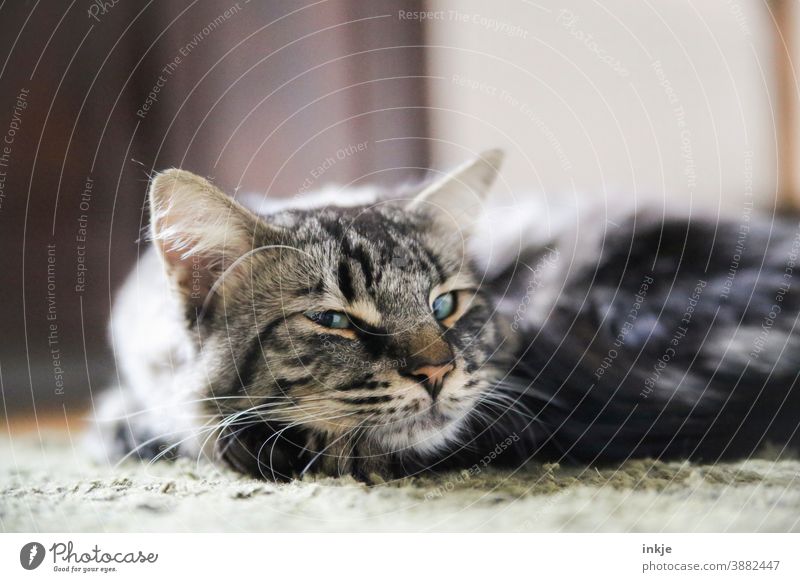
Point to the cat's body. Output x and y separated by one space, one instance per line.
398 336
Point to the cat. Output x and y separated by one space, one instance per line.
379 335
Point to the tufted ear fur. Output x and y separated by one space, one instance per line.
198 230
456 198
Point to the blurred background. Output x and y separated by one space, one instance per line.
691 102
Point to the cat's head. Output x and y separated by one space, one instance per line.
339 338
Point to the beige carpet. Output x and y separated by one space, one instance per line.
49 485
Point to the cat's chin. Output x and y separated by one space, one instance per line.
424 433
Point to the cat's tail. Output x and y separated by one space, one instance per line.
604 405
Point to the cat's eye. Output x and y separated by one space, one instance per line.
444 305
332 319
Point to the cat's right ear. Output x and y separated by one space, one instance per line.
199 231
455 199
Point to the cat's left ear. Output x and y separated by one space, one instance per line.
457 197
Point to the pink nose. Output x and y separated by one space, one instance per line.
432 376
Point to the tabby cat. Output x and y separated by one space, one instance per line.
387 334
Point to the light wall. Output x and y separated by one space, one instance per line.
634 98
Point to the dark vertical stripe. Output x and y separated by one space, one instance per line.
346 282
434 261
363 260
246 371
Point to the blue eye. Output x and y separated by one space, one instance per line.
332 319
444 306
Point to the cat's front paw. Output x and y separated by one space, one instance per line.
277 453
263 451
357 460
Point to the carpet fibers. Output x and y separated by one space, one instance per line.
48 485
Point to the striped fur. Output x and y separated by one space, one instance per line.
283 394
566 346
